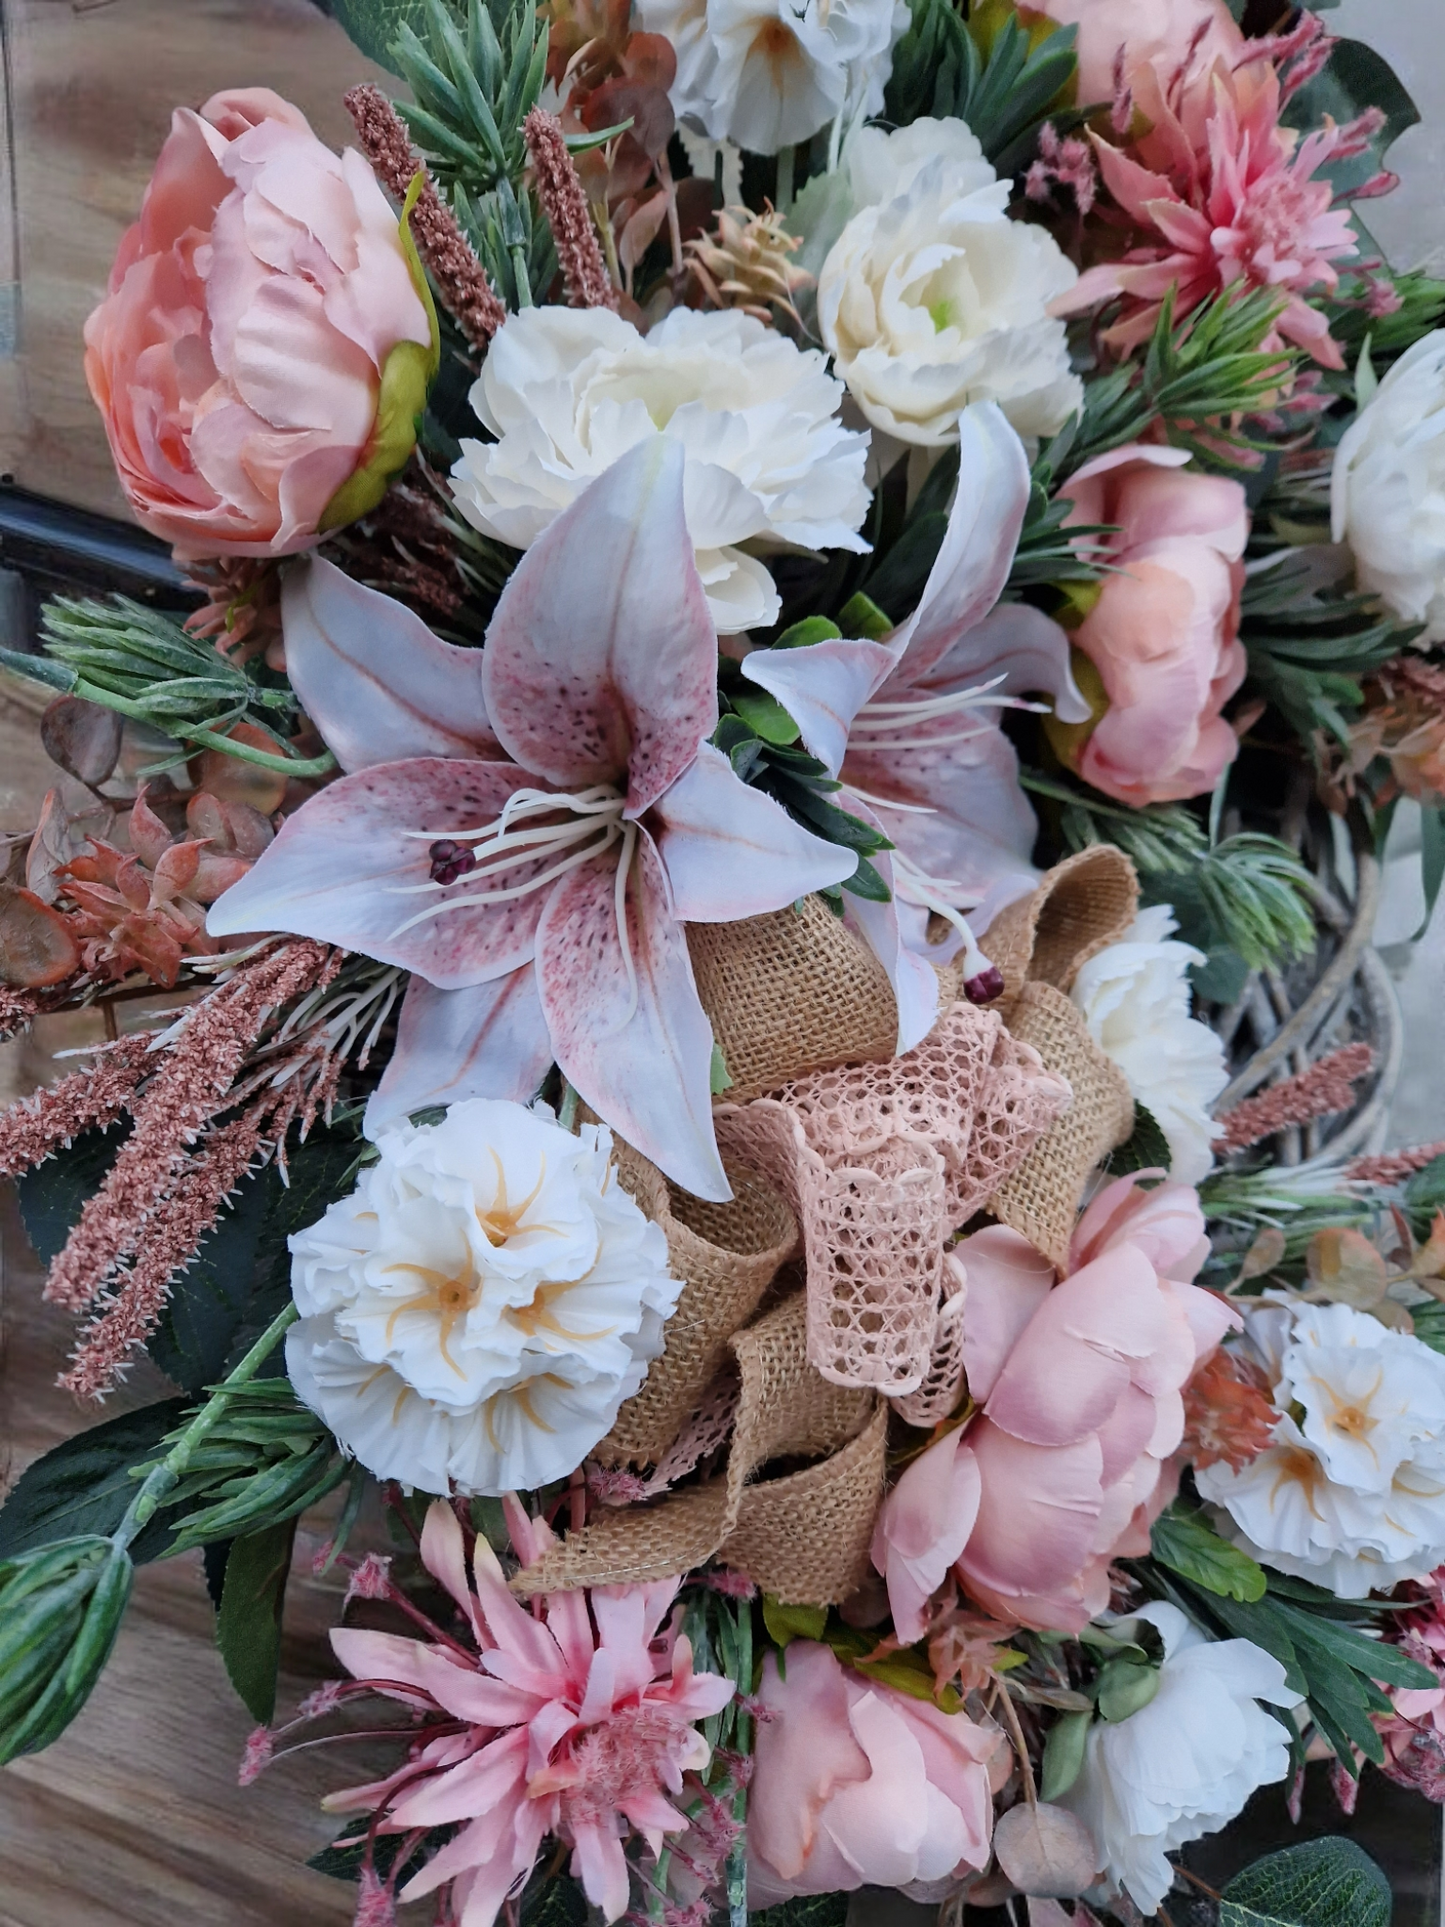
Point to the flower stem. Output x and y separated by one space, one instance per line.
167 1474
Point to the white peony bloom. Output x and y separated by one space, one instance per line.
567 391
1352 1495
1186 1763
1135 997
769 73
1388 489
933 298
478 1308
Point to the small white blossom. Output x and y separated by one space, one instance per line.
1388 488
568 391
769 73
1135 998
932 298
1352 1495
476 1311
1185 1764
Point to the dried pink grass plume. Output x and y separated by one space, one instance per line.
559 189
96 1096
1326 1087
450 257
1393 1167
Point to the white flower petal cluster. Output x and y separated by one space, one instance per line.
1186 1763
476 1311
1388 488
932 298
1135 997
1352 1497
567 391
769 73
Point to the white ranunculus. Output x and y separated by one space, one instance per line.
1186 1763
1135 997
934 298
881 165
567 391
1388 489
1352 1496
769 73
476 1311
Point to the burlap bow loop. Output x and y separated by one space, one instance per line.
1039 943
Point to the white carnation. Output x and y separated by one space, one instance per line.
1186 1763
567 391
933 298
1388 488
1135 997
1352 1496
769 73
476 1311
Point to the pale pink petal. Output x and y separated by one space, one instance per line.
804 1753
634 1042
732 852
373 678
1166 1223
347 867
488 1040
601 659
460 1691
822 686
1038 1509
878 1827
599 1863
1007 1281
467 1791
923 1527
444 1554
1208 1315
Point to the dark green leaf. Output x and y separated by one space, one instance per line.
1145 1149
553 1900
84 1485
1186 1543
1321 1883
248 1626
898 580
1064 1753
1356 78
372 25
809 1910
1221 978
51 1194
1432 859
787 1623
802 635
765 716
1425 1191
344 1862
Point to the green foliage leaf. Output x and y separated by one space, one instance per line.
1321 1883
787 1623
372 25
809 1910
1064 1753
51 1194
345 1857
83 1485
1005 80
1186 1543
248 1626
1145 1149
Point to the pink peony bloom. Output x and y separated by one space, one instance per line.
577 1724
856 1785
1163 634
263 341
1116 37
1222 197
1080 1386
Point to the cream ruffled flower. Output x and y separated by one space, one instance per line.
1135 998
1352 1495
476 1311
768 73
1186 1763
932 298
567 391
1388 488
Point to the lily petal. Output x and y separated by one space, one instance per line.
823 686
883 927
731 852
373 678
341 869
1024 646
601 659
644 1068
489 1040
973 564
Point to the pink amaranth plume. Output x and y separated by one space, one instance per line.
1220 197
1326 1087
256 1757
577 1722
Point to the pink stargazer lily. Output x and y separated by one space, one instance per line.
528 828
910 724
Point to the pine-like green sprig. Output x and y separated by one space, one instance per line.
476 72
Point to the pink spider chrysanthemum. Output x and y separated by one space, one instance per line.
575 1720
1220 196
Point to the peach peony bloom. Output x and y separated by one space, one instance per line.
1163 634
1116 37
856 1785
1080 1386
266 339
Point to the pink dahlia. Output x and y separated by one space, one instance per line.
1222 197
575 1719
